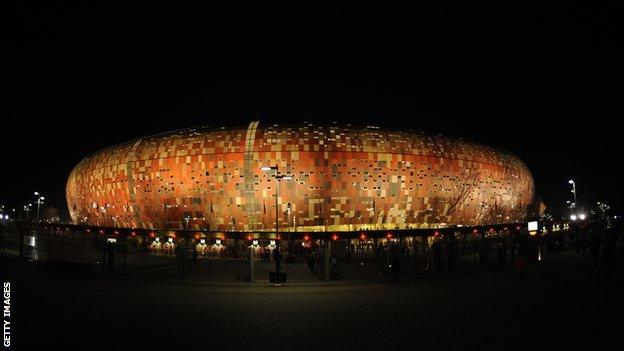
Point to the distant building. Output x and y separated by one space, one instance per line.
343 178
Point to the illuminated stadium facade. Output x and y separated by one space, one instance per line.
343 178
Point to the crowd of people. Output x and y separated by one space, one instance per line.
598 237
601 237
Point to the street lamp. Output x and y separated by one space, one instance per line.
603 208
573 191
187 218
288 210
573 204
39 203
27 210
278 177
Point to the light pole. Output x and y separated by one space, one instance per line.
573 191
278 177
27 210
187 218
573 204
603 209
39 202
289 236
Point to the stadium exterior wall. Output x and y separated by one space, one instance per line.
343 178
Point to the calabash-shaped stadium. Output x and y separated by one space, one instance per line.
330 177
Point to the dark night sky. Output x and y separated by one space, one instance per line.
544 83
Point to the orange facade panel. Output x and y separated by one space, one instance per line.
343 178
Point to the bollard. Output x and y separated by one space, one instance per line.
180 259
251 265
125 262
110 257
326 264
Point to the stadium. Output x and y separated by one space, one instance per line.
330 177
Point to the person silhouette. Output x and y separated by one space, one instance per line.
396 268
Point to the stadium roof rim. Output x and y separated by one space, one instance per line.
324 123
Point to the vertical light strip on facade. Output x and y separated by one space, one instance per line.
131 184
249 174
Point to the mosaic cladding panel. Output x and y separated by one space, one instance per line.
343 178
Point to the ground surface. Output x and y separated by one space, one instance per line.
557 304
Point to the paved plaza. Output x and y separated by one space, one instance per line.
491 308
